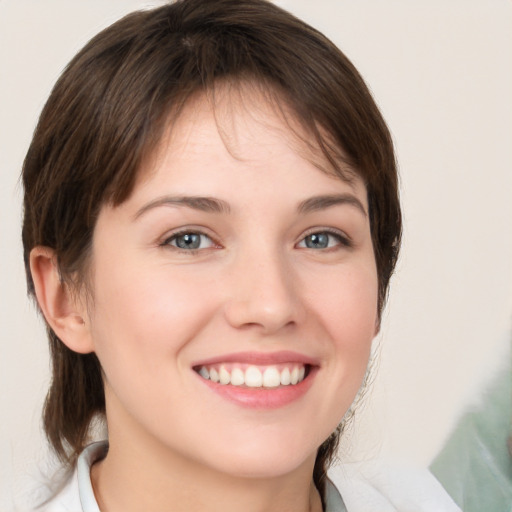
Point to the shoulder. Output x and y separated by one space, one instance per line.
66 500
379 486
76 495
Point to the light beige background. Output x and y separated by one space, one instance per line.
442 73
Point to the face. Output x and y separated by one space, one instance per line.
235 295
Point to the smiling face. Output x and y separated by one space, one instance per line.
235 296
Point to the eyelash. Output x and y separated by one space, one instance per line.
341 238
167 241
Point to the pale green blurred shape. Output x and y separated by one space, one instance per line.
475 466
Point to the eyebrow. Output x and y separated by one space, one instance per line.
317 203
213 205
204 204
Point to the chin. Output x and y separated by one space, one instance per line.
265 460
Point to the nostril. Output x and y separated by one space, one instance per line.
260 313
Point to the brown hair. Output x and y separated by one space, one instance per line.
108 110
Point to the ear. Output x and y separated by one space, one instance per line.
65 314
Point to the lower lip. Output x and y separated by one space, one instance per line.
262 398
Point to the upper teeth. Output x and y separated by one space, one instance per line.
254 376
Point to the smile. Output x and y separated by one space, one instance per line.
258 380
252 376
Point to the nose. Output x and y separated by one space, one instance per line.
263 293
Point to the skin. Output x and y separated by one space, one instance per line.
252 285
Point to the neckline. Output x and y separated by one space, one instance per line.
97 451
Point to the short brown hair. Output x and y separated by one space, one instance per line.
108 110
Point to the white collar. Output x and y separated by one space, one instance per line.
92 453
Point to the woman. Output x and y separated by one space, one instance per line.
211 220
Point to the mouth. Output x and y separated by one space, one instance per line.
261 381
253 376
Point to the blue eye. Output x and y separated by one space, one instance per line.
323 240
189 241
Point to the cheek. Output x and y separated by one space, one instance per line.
142 322
346 301
149 313
348 311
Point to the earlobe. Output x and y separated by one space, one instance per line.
62 310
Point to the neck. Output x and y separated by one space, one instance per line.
143 476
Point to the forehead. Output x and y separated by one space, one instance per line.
248 118
241 152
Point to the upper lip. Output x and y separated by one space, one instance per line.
260 358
